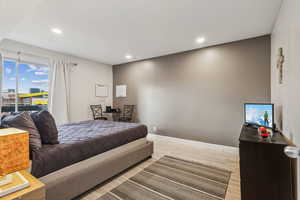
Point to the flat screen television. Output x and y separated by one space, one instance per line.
260 114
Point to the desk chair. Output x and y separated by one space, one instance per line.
97 112
127 114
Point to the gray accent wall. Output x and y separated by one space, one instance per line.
198 94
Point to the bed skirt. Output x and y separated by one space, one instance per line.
76 179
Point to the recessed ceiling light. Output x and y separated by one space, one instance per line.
128 56
200 40
57 31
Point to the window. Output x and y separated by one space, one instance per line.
24 87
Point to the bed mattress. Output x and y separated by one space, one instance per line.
82 140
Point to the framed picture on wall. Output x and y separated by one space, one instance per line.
101 90
121 90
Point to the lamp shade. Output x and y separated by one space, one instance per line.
14 150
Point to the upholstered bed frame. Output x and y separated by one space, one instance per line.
76 179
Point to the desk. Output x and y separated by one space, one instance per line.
112 115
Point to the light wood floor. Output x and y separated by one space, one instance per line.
214 155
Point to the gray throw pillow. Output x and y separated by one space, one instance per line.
46 125
24 122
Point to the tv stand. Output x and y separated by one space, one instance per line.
251 125
266 172
257 126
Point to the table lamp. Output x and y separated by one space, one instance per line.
14 156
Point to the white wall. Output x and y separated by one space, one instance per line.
286 34
83 79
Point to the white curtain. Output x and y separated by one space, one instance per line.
59 91
1 77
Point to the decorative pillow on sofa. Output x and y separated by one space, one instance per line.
46 125
23 121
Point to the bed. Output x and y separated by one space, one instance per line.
88 153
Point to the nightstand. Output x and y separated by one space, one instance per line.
36 190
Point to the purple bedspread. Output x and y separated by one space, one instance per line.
82 140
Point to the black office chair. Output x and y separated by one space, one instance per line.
97 112
127 114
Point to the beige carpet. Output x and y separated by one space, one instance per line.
171 178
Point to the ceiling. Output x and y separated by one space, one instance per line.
107 30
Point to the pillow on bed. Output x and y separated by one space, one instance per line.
23 121
46 125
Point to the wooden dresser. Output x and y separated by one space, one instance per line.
266 172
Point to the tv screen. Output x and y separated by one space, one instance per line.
259 114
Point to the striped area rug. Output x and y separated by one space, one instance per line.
171 178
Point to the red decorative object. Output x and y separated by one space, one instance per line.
263 132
